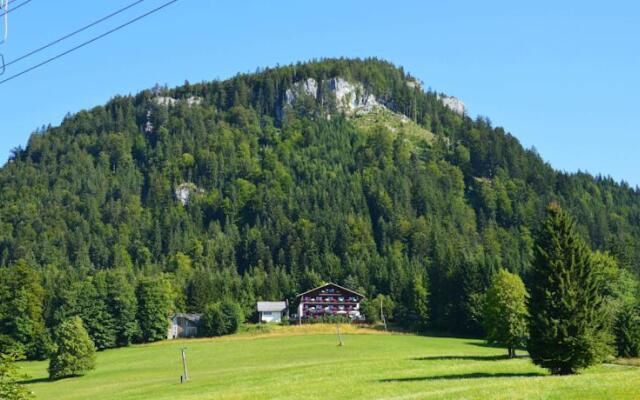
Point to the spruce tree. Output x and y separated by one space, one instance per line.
568 324
75 353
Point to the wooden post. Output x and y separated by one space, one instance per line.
339 335
382 315
184 365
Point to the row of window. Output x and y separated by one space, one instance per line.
340 299
328 308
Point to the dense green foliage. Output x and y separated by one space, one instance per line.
74 353
280 201
221 319
568 323
627 329
505 311
22 327
107 304
154 307
377 308
10 389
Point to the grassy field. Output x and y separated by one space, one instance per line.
299 362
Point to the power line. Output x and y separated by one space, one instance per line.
12 9
88 42
84 28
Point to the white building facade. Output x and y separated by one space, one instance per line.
272 311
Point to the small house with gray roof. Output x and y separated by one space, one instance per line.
272 311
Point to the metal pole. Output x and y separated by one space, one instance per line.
184 364
339 335
382 316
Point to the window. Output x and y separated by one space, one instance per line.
266 313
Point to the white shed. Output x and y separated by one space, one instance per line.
272 311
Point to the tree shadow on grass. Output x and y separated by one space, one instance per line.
34 380
462 358
47 379
475 375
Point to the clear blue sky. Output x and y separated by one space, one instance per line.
563 76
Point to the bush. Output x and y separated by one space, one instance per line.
74 352
328 319
221 319
233 315
213 322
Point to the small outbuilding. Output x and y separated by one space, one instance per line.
272 311
183 325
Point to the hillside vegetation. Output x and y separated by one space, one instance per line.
172 199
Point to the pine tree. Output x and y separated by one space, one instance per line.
75 353
505 311
567 323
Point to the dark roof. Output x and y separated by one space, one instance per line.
266 306
331 284
190 317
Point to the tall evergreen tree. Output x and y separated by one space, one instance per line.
568 320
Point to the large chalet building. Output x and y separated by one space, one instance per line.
329 300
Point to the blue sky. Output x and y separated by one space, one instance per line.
562 76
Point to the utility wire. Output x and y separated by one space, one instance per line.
84 28
117 28
12 9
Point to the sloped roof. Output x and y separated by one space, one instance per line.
331 284
190 317
266 306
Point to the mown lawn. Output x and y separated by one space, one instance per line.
294 363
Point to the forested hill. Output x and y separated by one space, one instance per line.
260 186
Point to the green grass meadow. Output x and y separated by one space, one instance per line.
297 363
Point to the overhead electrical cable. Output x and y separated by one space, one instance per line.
13 8
117 28
84 28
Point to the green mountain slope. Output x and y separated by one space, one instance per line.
259 186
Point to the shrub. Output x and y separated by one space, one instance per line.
221 319
233 315
213 322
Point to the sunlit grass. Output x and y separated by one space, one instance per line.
306 362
